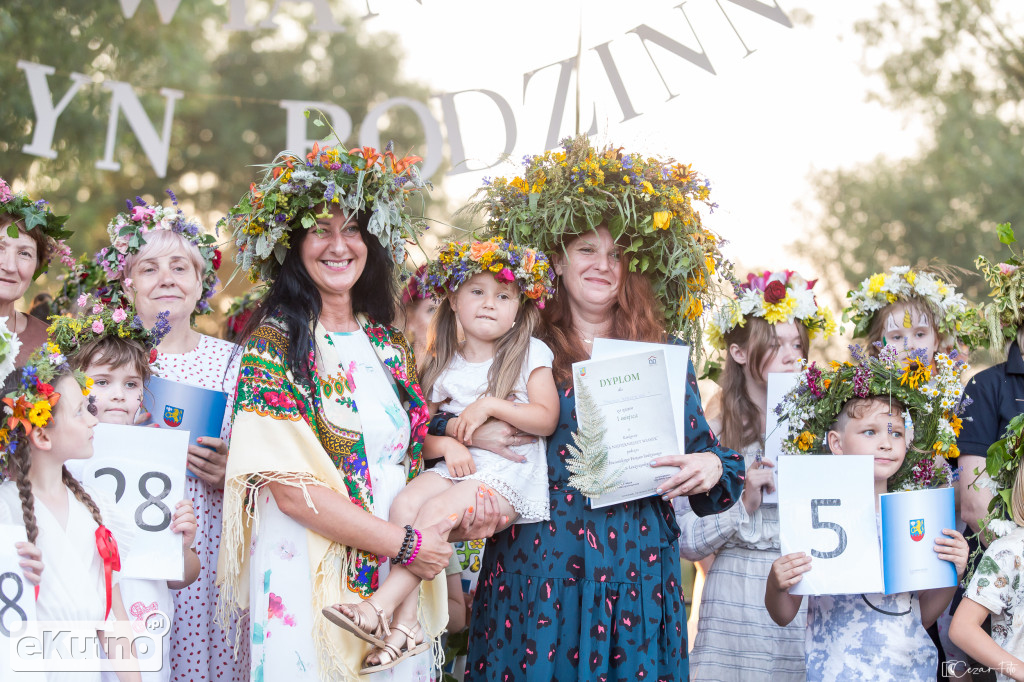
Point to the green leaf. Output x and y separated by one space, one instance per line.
318 123
644 262
308 220
1005 233
12 231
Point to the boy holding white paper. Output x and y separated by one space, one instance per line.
110 345
862 409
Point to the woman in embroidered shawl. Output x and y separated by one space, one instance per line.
329 418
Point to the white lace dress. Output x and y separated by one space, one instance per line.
200 650
523 484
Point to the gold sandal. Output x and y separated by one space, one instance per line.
359 626
394 654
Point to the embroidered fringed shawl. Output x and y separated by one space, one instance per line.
294 435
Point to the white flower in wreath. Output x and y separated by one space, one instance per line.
1001 527
805 308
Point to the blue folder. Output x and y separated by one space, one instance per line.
174 405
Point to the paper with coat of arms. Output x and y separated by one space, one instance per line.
911 522
175 405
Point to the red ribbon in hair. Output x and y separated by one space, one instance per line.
106 547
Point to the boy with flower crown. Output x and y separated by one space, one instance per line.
861 408
112 347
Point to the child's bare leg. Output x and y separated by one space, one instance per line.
453 501
393 590
401 583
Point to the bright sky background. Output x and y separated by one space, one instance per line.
758 129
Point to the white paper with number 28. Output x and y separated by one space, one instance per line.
17 600
827 510
143 469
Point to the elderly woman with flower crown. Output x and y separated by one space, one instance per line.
29 235
594 593
329 418
166 265
766 329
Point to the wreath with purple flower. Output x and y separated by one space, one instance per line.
128 230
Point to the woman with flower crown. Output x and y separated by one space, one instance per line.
329 419
766 329
165 264
30 234
594 594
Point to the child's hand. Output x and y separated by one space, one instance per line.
471 418
459 461
184 522
32 561
787 571
953 549
759 475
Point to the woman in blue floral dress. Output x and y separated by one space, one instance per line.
594 594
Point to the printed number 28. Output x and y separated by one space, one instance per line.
834 527
149 499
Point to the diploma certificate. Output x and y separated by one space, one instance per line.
632 397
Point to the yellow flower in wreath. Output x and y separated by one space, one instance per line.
805 441
39 415
662 219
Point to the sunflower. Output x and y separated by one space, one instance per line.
915 373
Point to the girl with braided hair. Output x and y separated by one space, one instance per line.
48 423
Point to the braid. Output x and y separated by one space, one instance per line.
20 464
79 492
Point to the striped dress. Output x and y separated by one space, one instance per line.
736 638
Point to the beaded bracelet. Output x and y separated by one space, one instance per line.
407 546
419 542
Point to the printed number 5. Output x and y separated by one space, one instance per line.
834 527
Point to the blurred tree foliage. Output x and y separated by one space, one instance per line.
959 65
229 118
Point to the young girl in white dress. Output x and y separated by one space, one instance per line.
77 531
493 291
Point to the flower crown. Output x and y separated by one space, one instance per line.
777 297
128 232
10 344
933 404
458 261
1001 464
68 334
242 307
416 288
647 205
30 405
86 276
293 189
34 214
993 324
949 309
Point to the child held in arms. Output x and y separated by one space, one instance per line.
866 408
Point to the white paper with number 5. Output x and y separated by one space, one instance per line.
143 470
17 600
827 510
